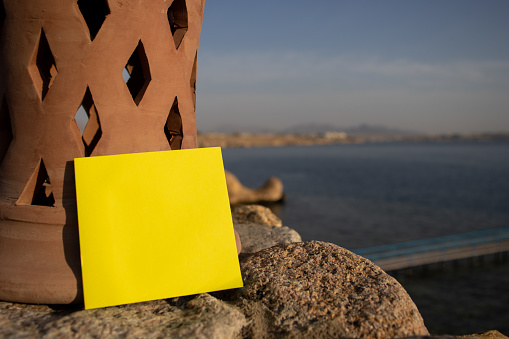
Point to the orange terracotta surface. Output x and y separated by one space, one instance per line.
55 57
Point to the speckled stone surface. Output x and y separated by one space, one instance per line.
256 237
494 334
315 289
201 316
255 214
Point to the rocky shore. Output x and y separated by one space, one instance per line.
292 289
276 139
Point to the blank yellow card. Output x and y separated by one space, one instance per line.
154 225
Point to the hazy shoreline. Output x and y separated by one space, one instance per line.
227 140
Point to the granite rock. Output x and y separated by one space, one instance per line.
494 334
201 316
256 237
316 289
255 214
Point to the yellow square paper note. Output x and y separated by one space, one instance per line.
154 225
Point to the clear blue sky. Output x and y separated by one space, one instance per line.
433 66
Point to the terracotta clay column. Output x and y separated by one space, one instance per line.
123 69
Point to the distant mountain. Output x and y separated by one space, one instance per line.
237 128
359 130
312 129
366 129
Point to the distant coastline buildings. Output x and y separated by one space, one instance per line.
332 135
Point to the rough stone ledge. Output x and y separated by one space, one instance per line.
200 316
255 214
256 237
259 228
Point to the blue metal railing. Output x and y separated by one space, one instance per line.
434 244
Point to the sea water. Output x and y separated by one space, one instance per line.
361 195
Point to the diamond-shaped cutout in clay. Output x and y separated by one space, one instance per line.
173 127
94 12
43 68
88 123
38 190
138 73
177 18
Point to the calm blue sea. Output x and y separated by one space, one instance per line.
372 194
